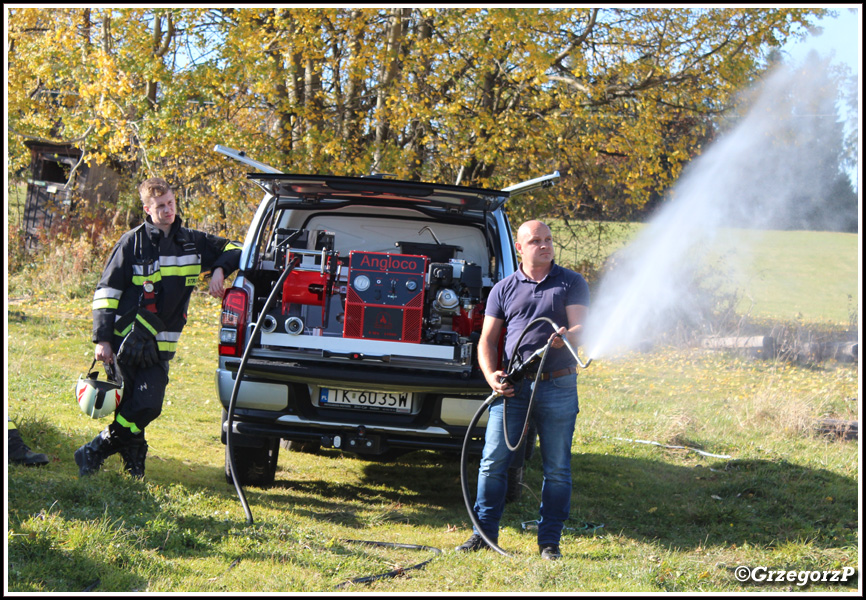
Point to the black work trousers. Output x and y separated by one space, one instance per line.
143 395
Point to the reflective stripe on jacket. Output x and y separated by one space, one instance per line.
172 264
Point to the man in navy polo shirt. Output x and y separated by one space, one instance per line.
539 288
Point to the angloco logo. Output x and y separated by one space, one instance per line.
389 262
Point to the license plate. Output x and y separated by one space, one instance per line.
400 402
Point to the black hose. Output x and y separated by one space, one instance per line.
464 455
395 572
239 376
531 404
230 447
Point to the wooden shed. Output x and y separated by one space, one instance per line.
48 196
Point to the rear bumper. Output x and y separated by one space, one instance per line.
279 400
360 376
359 438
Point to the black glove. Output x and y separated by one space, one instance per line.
139 348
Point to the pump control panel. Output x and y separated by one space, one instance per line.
385 296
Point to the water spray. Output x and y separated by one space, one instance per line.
761 174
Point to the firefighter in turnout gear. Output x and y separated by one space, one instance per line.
139 310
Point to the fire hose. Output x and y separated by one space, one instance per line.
514 374
230 446
239 377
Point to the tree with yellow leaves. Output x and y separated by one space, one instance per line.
616 99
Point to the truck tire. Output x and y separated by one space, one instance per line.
256 466
515 484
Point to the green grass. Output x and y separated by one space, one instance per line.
809 275
674 519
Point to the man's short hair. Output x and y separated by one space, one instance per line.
153 188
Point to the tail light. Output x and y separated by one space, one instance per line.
233 322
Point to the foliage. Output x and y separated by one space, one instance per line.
617 99
70 257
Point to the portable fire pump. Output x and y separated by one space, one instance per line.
418 297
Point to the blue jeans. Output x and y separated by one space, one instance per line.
554 414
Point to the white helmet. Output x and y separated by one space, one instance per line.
99 398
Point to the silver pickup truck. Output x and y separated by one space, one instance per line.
369 343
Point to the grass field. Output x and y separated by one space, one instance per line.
688 464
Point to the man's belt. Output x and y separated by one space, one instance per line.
553 374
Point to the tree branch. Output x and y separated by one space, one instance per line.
47 141
577 41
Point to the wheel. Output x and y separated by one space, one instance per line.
254 466
530 443
515 484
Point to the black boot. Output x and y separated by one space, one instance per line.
20 454
90 456
133 454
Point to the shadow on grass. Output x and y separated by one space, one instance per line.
426 480
61 525
762 503
56 569
652 501
61 528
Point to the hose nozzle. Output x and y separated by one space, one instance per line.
571 349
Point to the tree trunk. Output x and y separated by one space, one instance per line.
417 128
354 86
161 44
388 73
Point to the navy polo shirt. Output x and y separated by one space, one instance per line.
518 300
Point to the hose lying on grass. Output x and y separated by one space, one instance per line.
701 452
395 572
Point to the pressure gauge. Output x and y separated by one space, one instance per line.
362 283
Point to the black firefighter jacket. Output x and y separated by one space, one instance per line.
171 265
